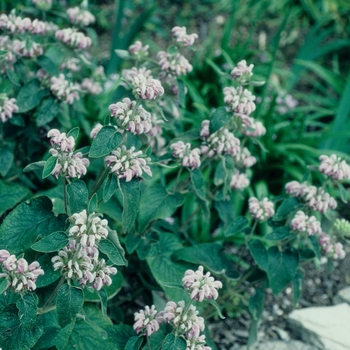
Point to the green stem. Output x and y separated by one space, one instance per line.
99 182
245 277
52 296
65 195
148 343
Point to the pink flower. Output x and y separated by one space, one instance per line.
64 90
239 181
96 129
189 157
138 49
175 64
8 106
303 223
181 36
147 321
261 210
242 73
80 16
147 88
73 38
334 167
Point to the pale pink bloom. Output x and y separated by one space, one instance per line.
189 157
333 250
147 321
244 158
296 189
201 286
334 167
138 50
60 142
4 254
73 38
130 74
70 165
240 100
204 133
156 128
181 36
91 86
175 64
339 252
127 164
96 129
261 210
303 223
72 64
147 88
8 106
21 48
64 90
195 341
242 73
80 16
256 129
239 181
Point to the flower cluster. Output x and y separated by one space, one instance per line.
138 51
303 223
126 163
73 38
72 65
256 129
8 106
80 16
147 321
64 90
68 164
147 88
261 210
240 101
130 74
315 198
242 72
189 157
341 227
201 286
20 276
334 167
330 249
181 36
244 158
239 181
176 64
128 117
89 229
91 86
23 49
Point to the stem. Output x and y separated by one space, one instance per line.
189 219
245 277
188 307
53 295
65 195
148 343
98 183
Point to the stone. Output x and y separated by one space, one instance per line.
343 296
325 327
281 345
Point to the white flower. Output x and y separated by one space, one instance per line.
175 64
261 210
181 36
8 106
73 38
189 157
334 167
147 321
242 73
80 16
239 181
147 88
303 223
64 90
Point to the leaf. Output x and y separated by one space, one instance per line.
110 186
124 54
11 194
306 254
199 189
172 342
50 275
223 173
28 221
217 307
237 226
6 158
218 119
50 165
69 302
34 166
27 307
182 92
119 335
74 132
47 111
315 246
157 203
288 205
93 204
114 254
297 284
256 304
279 234
3 285
46 63
29 96
103 296
51 243
13 77
131 202
343 192
77 196
134 343
105 142
13 335
132 242
259 253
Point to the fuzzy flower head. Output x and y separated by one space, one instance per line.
73 38
334 167
64 90
240 101
23 49
20 275
242 72
305 224
244 159
181 36
330 249
95 130
261 210
60 142
147 88
91 86
188 157
176 64
147 321
128 117
138 51
88 229
8 106
126 163
239 181
130 74
195 341
255 129
341 227
71 64
80 17
201 286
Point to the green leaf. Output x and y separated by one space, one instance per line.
157 203
218 119
131 202
46 63
182 92
124 54
132 241
256 304
288 205
253 333
223 173
134 343
105 142
343 192
217 307
34 166
47 111
236 226
172 50
13 77
6 158
114 253
93 204
49 166
198 186
28 221
69 302
51 243
119 335
259 253
50 275
103 296
74 132
13 335
315 246
29 96
306 254
3 285
297 284
77 196
27 307
11 194
110 186
172 342
279 234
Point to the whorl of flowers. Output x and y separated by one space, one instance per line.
244 158
137 121
21 48
9 58
147 321
181 36
95 130
201 286
332 250
82 263
72 64
20 276
175 64
89 229
44 5
130 74
261 210
91 86
73 38
147 88
195 341
285 102
315 198
255 129
8 106
239 181
334 167
240 101
303 223
242 72
68 164
64 90
80 16
138 50
341 227
126 163
17 24
189 157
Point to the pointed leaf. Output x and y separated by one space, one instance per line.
49 166
77 196
110 186
93 204
173 342
51 243
105 142
114 254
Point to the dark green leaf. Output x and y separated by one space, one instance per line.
6 158
114 254
131 202
279 234
29 96
172 342
119 335
103 296
3 285
74 132
218 119
217 307
134 343
288 205
182 93
110 186
46 63
27 307
51 243
236 226
199 189
34 166
13 77
315 246
297 283
105 142
343 192
49 166
259 253
256 304
306 254
93 204
132 242
11 194
77 196
47 111
50 275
